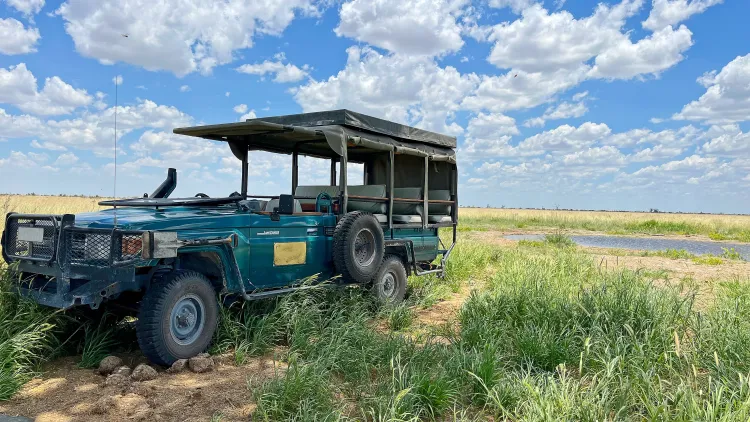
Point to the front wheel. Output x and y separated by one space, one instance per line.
178 317
389 285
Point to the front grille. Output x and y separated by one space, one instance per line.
88 248
35 238
95 248
17 247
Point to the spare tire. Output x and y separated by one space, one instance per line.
358 247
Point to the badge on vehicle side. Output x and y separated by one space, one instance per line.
289 253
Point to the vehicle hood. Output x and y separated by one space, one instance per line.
173 218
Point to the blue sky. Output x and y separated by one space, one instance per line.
628 104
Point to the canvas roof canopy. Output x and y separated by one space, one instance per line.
325 134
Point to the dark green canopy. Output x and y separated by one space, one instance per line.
324 134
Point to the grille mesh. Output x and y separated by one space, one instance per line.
88 248
25 249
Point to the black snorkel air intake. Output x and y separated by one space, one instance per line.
167 186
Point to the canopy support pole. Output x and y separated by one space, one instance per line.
333 171
425 196
295 170
344 189
391 183
245 153
454 198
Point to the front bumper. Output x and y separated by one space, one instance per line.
71 265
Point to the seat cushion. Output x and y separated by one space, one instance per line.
377 191
274 203
253 205
405 208
407 219
439 209
434 219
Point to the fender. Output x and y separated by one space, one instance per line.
232 278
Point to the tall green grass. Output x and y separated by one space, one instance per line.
551 338
27 337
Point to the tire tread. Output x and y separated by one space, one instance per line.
149 317
342 259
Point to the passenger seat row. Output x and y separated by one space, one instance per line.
403 213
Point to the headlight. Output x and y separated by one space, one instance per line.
131 245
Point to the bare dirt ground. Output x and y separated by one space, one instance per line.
68 394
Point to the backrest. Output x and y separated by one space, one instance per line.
439 209
377 191
400 208
313 191
253 205
274 203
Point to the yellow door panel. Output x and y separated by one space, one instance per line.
289 253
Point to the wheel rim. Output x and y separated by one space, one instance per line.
388 284
364 247
187 319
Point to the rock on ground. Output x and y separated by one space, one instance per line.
178 366
109 364
117 380
103 405
122 370
143 372
201 363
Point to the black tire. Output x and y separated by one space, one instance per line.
358 247
167 329
389 285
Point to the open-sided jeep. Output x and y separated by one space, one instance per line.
170 260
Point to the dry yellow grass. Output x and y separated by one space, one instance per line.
718 227
28 204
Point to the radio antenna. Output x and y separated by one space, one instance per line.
114 193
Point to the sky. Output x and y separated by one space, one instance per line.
619 105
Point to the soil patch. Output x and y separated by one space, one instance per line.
67 394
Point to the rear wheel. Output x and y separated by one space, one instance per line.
389 285
178 317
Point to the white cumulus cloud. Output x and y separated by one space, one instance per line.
727 97
180 36
18 87
27 7
283 72
671 12
422 27
17 39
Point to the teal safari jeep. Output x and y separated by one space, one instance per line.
170 260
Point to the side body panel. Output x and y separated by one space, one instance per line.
288 250
426 241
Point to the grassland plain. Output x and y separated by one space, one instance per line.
714 226
544 333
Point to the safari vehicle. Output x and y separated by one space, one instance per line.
170 259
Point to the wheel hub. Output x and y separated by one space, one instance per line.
364 247
187 319
388 284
